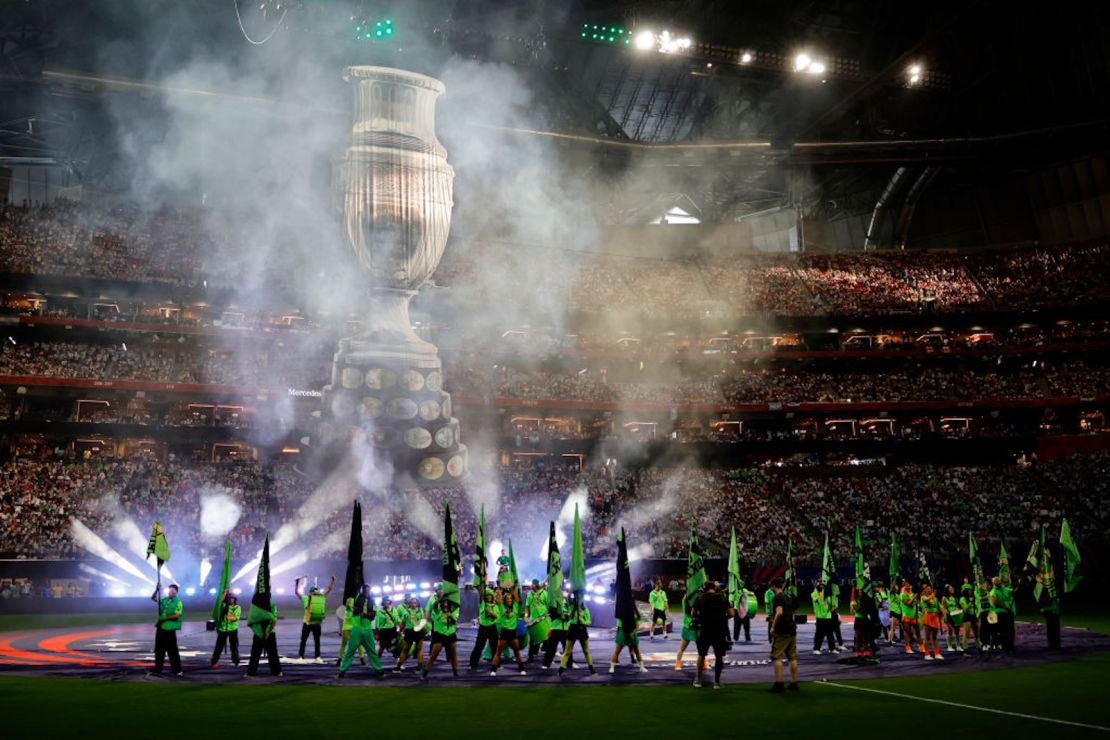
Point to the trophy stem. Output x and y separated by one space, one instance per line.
387 329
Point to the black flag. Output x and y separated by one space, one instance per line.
354 580
625 605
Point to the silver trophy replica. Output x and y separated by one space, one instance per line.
386 395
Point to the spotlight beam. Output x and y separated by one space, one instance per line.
92 542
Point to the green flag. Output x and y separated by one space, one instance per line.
554 573
976 561
1033 564
828 567
261 611
1003 564
577 559
158 546
894 555
512 570
735 582
452 560
225 582
1072 576
863 570
695 569
480 564
791 586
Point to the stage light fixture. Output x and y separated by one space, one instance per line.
746 57
645 40
816 68
802 62
914 74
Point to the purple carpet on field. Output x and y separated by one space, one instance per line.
125 653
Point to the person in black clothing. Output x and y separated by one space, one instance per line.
712 611
784 636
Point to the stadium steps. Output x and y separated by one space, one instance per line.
982 288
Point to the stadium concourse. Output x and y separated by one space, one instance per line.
125 653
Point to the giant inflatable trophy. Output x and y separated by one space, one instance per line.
386 392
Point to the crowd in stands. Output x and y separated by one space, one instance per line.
125 243
273 366
929 507
914 381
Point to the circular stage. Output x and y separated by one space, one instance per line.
126 653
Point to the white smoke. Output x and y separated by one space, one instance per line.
219 513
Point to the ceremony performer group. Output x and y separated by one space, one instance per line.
549 622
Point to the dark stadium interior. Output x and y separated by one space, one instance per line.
783 268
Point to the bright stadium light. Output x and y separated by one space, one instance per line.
190 591
746 58
645 40
816 68
802 62
913 74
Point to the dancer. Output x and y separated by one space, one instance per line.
908 603
536 614
745 610
577 631
262 623
784 636
557 636
488 615
445 623
712 611
834 611
627 639
930 610
385 627
227 629
659 605
415 631
689 634
988 628
166 627
823 614
363 616
882 601
970 606
506 631
1002 600
892 636
953 620
345 632
315 610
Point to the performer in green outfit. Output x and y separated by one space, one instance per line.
577 631
1002 601
953 619
362 633
506 631
170 610
445 622
345 632
227 629
658 599
631 640
823 614
970 606
385 627
315 610
488 613
689 635
263 626
768 597
413 618
560 621
536 614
